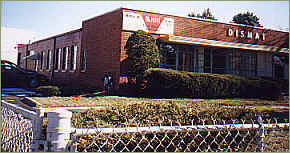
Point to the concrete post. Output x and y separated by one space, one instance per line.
261 135
37 141
58 130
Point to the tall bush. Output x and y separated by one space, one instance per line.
172 83
142 52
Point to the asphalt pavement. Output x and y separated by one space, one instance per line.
15 96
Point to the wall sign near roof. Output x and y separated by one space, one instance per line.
245 34
148 23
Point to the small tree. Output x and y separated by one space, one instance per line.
142 52
206 14
247 18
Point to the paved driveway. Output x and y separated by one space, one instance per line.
15 95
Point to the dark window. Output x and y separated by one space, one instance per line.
73 57
84 64
167 56
57 59
207 60
35 65
64 58
243 62
42 60
19 59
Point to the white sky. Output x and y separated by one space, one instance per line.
9 38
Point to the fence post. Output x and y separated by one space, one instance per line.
261 135
37 131
58 130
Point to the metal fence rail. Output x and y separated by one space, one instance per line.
16 131
193 138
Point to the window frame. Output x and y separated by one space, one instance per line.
64 59
48 60
73 59
83 61
57 59
42 57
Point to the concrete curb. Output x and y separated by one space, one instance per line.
73 109
32 100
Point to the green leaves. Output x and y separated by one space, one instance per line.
142 50
247 18
171 83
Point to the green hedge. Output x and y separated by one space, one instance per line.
48 91
171 83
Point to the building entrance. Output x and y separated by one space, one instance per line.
185 61
219 64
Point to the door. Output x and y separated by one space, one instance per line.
219 64
185 61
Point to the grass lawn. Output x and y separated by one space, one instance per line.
113 100
144 111
127 111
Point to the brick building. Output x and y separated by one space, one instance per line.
82 57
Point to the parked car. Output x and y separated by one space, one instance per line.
15 76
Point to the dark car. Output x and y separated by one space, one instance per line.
14 76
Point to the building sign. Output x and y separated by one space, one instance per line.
148 23
245 34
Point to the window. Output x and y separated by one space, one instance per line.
57 59
235 61
83 58
42 57
28 53
248 63
200 59
73 58
35 65
19 59
167 56
243 62
48 60
64 58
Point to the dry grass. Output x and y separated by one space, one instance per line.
111 100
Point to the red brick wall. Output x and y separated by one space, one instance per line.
67 76
188 27
64 40
218 31
101 40
38 47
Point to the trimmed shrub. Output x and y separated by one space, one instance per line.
127 89
171 83
48 91
70 90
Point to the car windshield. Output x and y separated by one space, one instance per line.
7 65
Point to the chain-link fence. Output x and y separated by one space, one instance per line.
16 131
194 138
23 134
